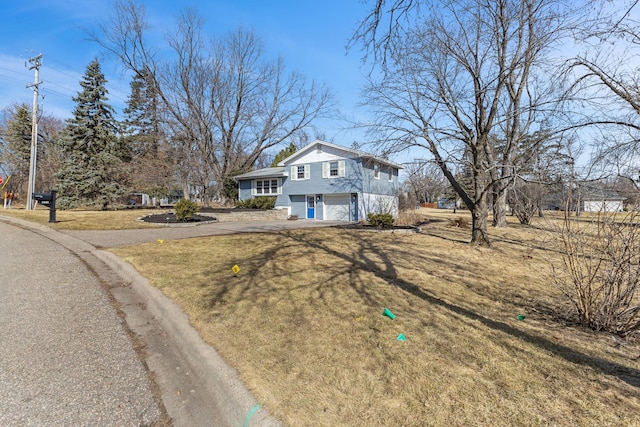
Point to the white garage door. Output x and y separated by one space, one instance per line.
336 207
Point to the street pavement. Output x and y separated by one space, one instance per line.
66 357
85 340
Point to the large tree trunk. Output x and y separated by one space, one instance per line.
479 214
499 206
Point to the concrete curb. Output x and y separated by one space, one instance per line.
196 386
235 404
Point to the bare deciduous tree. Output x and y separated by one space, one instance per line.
49 156
15 141
225 101
525 199
458 77
425 181
608 85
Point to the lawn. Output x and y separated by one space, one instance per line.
84 219
302 321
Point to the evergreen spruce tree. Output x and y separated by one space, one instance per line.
142 118
283 154
91 173
152 165
17 152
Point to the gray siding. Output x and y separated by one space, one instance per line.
299 206
320 208
244 189
382 185
244 192
316 184
359 178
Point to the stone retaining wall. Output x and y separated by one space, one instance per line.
258 215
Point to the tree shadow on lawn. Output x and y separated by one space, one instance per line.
383 268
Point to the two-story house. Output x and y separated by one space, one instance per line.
324 181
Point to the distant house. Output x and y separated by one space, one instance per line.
446 203
172 198
324 181
139 199
602 201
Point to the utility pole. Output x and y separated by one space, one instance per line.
34 130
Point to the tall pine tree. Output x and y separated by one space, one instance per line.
142 120
92 171
16 152
283 154
152 163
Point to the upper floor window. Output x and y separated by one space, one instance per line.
300 172
376 171
333 169
392 172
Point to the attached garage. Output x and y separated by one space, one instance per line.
336 207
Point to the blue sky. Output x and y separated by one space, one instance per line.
310 35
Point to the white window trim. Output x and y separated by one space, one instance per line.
391 173
376 171
254 187
294 172
326 169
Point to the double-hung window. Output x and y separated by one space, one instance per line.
300 172
376 171
333 169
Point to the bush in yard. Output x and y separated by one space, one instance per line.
599 271
257 203
459 222
381 220
525 199
185 209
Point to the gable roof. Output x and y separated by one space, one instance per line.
355 153
277 172
600 195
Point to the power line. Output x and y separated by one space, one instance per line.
12 79
21 74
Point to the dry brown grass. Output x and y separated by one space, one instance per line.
302 322
84 219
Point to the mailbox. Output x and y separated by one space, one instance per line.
48 200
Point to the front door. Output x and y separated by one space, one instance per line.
311 207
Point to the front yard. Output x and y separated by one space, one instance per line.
302 321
